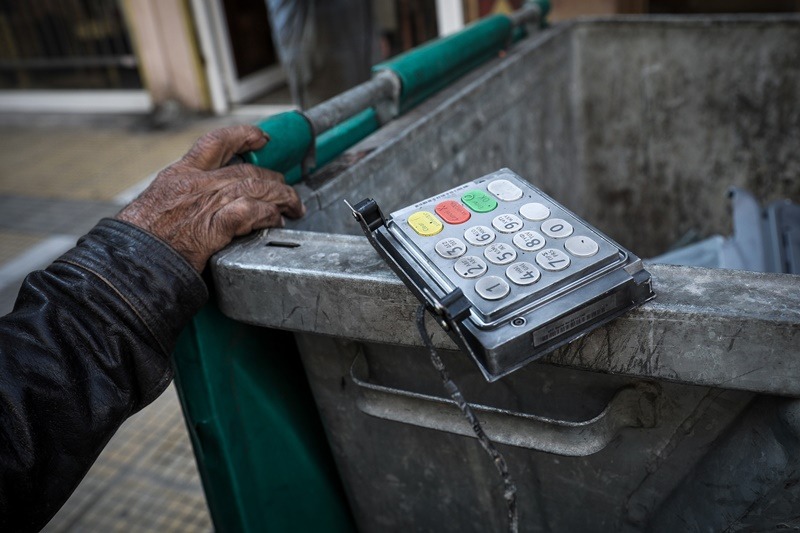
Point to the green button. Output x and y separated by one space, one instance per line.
479 201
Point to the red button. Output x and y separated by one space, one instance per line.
452 212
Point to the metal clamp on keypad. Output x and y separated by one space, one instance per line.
532 274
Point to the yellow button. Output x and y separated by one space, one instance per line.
425 223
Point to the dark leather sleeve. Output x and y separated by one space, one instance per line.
87 344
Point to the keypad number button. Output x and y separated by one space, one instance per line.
479 201
552 259
523 273
507 223
425 224
580 246
492 288
479 235
557 228
505 190
470 267
452 212
529 241
534 211
500 254
451 248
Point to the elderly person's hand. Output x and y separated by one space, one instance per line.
198 206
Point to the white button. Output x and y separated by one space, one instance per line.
470 267
581 246
451 248
505 190
523 273
492 288
529 241
500 254
552 259
507 223
557 228
534 211
479 235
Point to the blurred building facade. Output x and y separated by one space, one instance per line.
212 55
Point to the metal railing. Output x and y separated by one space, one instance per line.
302 141
69 44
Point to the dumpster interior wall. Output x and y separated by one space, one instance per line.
671 118
640 127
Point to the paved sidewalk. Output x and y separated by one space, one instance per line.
56 181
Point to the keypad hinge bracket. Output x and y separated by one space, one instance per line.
368 214
454 306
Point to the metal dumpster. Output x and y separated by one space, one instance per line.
683 414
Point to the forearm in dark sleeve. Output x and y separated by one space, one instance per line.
86 345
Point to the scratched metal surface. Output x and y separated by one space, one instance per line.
401 477
722 328
640 126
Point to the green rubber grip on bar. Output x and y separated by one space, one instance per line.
336 140
290 140
432 66
341 137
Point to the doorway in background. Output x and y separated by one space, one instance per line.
249 63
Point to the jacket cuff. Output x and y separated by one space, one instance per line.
156 282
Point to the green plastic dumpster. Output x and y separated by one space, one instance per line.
681 415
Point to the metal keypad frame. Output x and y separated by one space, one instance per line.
508 324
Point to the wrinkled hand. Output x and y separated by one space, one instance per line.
197 206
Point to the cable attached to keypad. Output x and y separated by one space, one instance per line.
510 489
